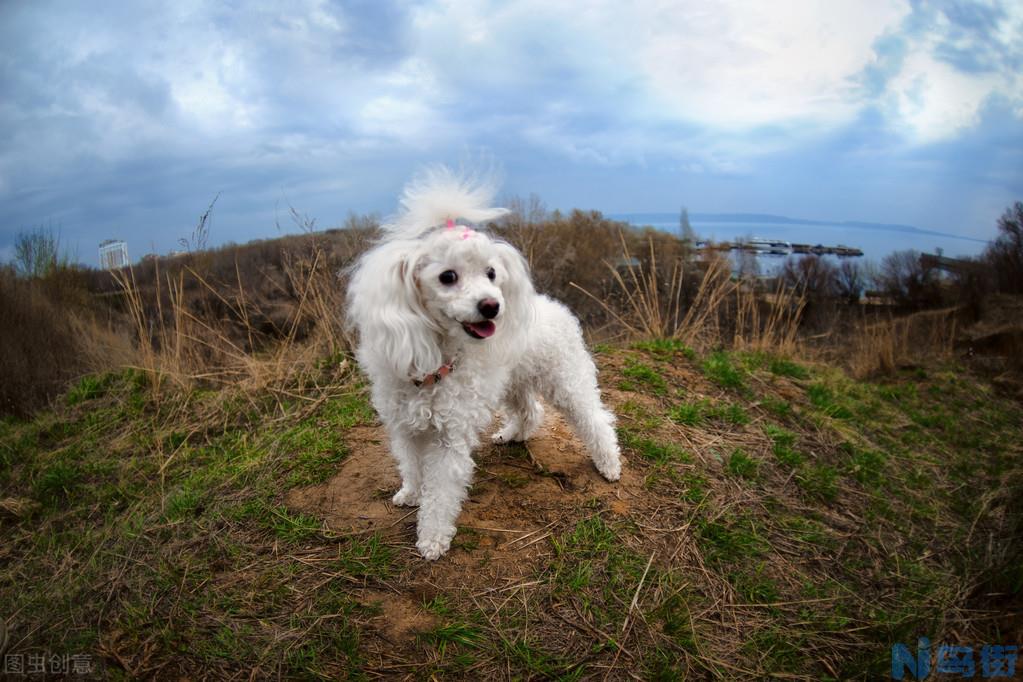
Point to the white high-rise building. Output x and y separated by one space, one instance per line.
113 254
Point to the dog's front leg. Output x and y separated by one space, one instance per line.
404 451
447 472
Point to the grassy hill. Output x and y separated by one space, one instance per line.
775 518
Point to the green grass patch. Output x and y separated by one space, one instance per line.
655 451
729 539
645 418
806 531
641 376
729 413
367 558
452 634
787 368
819 481
58 483
741 465
865 465
778 407
826 401
290 527
688 414
696 413
719 368
782 447
89 388
694 487
665 349
754 587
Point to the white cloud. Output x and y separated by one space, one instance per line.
934 99
748 64
734 65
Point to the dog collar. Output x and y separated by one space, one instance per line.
435 377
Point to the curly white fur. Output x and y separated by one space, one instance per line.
411 324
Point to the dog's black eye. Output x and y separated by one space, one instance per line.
491 274
448 277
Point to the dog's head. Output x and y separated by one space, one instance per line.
431 292
467 282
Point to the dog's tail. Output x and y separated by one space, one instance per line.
437 195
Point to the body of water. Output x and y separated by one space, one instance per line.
876 241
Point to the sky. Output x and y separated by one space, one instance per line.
125 119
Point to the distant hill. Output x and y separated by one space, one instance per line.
769 219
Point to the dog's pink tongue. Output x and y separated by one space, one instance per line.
484 329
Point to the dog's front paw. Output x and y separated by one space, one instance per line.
406 497
611 469
509 433
433 548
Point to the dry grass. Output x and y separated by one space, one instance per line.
214 343
697 303
881 347
51 334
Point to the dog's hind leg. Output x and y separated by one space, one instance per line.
573 390
523 415
403 449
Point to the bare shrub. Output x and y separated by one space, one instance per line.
851 280
811 276
1005 254
37 253
905 279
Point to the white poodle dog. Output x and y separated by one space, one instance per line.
451 331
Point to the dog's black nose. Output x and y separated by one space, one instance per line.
488 308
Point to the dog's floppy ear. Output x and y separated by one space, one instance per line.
384 305
518 289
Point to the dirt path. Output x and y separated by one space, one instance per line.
521 494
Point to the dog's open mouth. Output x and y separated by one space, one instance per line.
479 330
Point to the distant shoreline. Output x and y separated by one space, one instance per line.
659 219
875 240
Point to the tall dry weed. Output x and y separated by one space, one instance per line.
187 328
882 346
695 301
768 322
50 336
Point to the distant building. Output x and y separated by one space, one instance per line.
113 254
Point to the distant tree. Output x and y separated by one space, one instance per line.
361 222
747 265
525 212
685 229
37 252
850 281
972 284
810 276
1005 254
905 279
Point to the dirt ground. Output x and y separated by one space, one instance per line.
521 493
